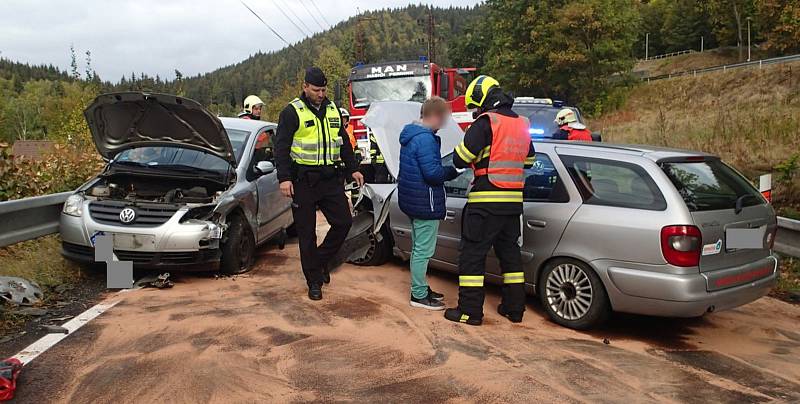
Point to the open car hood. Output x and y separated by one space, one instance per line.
120 121
386 119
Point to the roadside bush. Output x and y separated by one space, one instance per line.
64 169
749 117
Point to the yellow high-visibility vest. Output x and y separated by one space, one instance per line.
316 143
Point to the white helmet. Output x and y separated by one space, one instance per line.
565 116
345 113
250 102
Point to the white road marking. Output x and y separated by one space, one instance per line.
48 341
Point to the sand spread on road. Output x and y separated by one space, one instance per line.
257 338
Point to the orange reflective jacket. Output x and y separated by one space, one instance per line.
350 134
581 135
511 143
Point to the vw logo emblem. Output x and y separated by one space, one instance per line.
127 215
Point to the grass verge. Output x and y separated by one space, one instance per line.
788 286
39 261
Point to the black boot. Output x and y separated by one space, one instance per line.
457 316
326 275
514 317
315 292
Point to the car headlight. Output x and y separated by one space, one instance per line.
73 206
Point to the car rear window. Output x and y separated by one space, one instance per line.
710 185
614 183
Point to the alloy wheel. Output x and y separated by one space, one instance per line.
569 291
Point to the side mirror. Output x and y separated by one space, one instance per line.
264 167
597 137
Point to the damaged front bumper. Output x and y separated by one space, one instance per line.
177 244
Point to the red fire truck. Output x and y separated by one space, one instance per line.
406 81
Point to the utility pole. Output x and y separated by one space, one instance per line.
702 44
646 45
359 38
748 38
431 35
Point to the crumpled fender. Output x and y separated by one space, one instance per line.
379 194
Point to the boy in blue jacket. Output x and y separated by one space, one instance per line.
421 194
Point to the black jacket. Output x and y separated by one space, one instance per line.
478 136
287 126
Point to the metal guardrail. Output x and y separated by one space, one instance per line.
30 218
669 55
787 240
759 63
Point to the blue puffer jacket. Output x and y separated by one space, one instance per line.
421 179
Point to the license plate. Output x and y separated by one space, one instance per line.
126 241
745 238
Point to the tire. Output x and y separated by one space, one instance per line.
564 302
379 251
238 248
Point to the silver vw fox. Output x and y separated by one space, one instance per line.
634 229
182 189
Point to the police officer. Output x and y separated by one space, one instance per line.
497 146
252 108
313 157
569 128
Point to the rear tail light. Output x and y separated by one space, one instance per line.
681 245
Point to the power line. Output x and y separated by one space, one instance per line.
289 6
321 14
271 29
311 14
289 18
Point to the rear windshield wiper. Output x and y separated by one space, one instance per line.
740 202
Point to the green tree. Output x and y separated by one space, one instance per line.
778 23
563 49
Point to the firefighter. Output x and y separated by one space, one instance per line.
313 157
569 128
252 108
497 147
376 171
346 122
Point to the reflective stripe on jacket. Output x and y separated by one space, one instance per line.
508 152
316 143
374 151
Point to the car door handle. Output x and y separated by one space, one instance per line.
450 216
539 224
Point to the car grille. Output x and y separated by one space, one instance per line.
147 215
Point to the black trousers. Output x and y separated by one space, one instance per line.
481 230
327 194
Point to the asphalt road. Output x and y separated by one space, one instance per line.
257 338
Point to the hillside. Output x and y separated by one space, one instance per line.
750 117
395 34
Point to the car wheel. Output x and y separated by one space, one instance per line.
238 249
379 252
572 294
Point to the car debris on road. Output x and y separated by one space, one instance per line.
20 291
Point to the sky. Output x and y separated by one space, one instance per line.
159 36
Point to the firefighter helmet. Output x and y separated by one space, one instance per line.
250 102
565 116
478 89
345 113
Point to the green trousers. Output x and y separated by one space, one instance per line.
423 236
